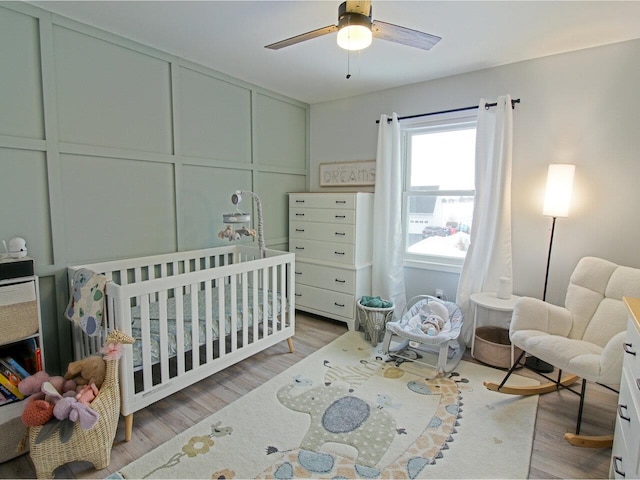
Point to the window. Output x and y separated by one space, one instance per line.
439 194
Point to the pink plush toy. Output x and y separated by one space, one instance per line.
32 385
87 394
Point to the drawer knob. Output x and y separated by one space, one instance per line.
298 294
299 229
338 304
299 214
621 414
299 248
616 461
341 201
300 201
339 253
627 348
298 273
341 216
340 281
340 234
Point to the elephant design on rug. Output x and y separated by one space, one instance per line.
307 461
337 416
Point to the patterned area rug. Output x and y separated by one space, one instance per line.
345 412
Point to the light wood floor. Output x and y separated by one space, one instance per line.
552 457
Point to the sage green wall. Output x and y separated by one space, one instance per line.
111 149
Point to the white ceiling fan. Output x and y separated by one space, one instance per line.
356 29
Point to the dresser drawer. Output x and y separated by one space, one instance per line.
330 201
631 359
628 412
334 303
320 276
627 434
327 251
323 215
322 231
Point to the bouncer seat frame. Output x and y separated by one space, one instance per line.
448 346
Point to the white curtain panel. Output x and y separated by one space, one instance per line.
489 255
388 240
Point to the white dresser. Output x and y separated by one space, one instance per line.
625 454
331 235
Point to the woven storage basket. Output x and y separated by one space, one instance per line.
18 311
92 445
493 347
374 321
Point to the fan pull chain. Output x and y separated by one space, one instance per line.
348 64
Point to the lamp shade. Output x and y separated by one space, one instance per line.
558 193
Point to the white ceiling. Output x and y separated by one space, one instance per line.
229 36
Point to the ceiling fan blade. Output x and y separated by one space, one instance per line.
302 37
403 35
362 7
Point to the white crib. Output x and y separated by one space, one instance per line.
153 299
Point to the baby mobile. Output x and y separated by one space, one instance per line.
238 217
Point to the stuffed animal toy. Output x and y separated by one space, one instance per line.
32 385
37 412
232 234
432 325
433 317
44 392
87 394
87 371
70 408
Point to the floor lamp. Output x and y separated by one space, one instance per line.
556 204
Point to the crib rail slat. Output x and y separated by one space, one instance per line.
179 330
274 299
145 325
233 311
163 327
255 311
195 327
246 314
222 348
208 320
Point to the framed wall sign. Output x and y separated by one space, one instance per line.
347 174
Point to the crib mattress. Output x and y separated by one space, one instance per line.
154 320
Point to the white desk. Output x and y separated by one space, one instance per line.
490 301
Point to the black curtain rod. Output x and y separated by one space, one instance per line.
487 106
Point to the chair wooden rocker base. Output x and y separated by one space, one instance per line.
575 439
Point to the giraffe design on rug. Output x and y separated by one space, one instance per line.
307 462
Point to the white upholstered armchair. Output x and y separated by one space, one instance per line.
584 338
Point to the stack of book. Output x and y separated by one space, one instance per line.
15 368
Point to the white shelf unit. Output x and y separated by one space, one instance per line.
19 299
331 235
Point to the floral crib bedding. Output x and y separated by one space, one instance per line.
154 316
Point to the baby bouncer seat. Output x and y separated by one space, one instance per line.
406 340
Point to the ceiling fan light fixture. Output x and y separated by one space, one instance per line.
354 30
354 37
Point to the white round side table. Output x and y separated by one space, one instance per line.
490 301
